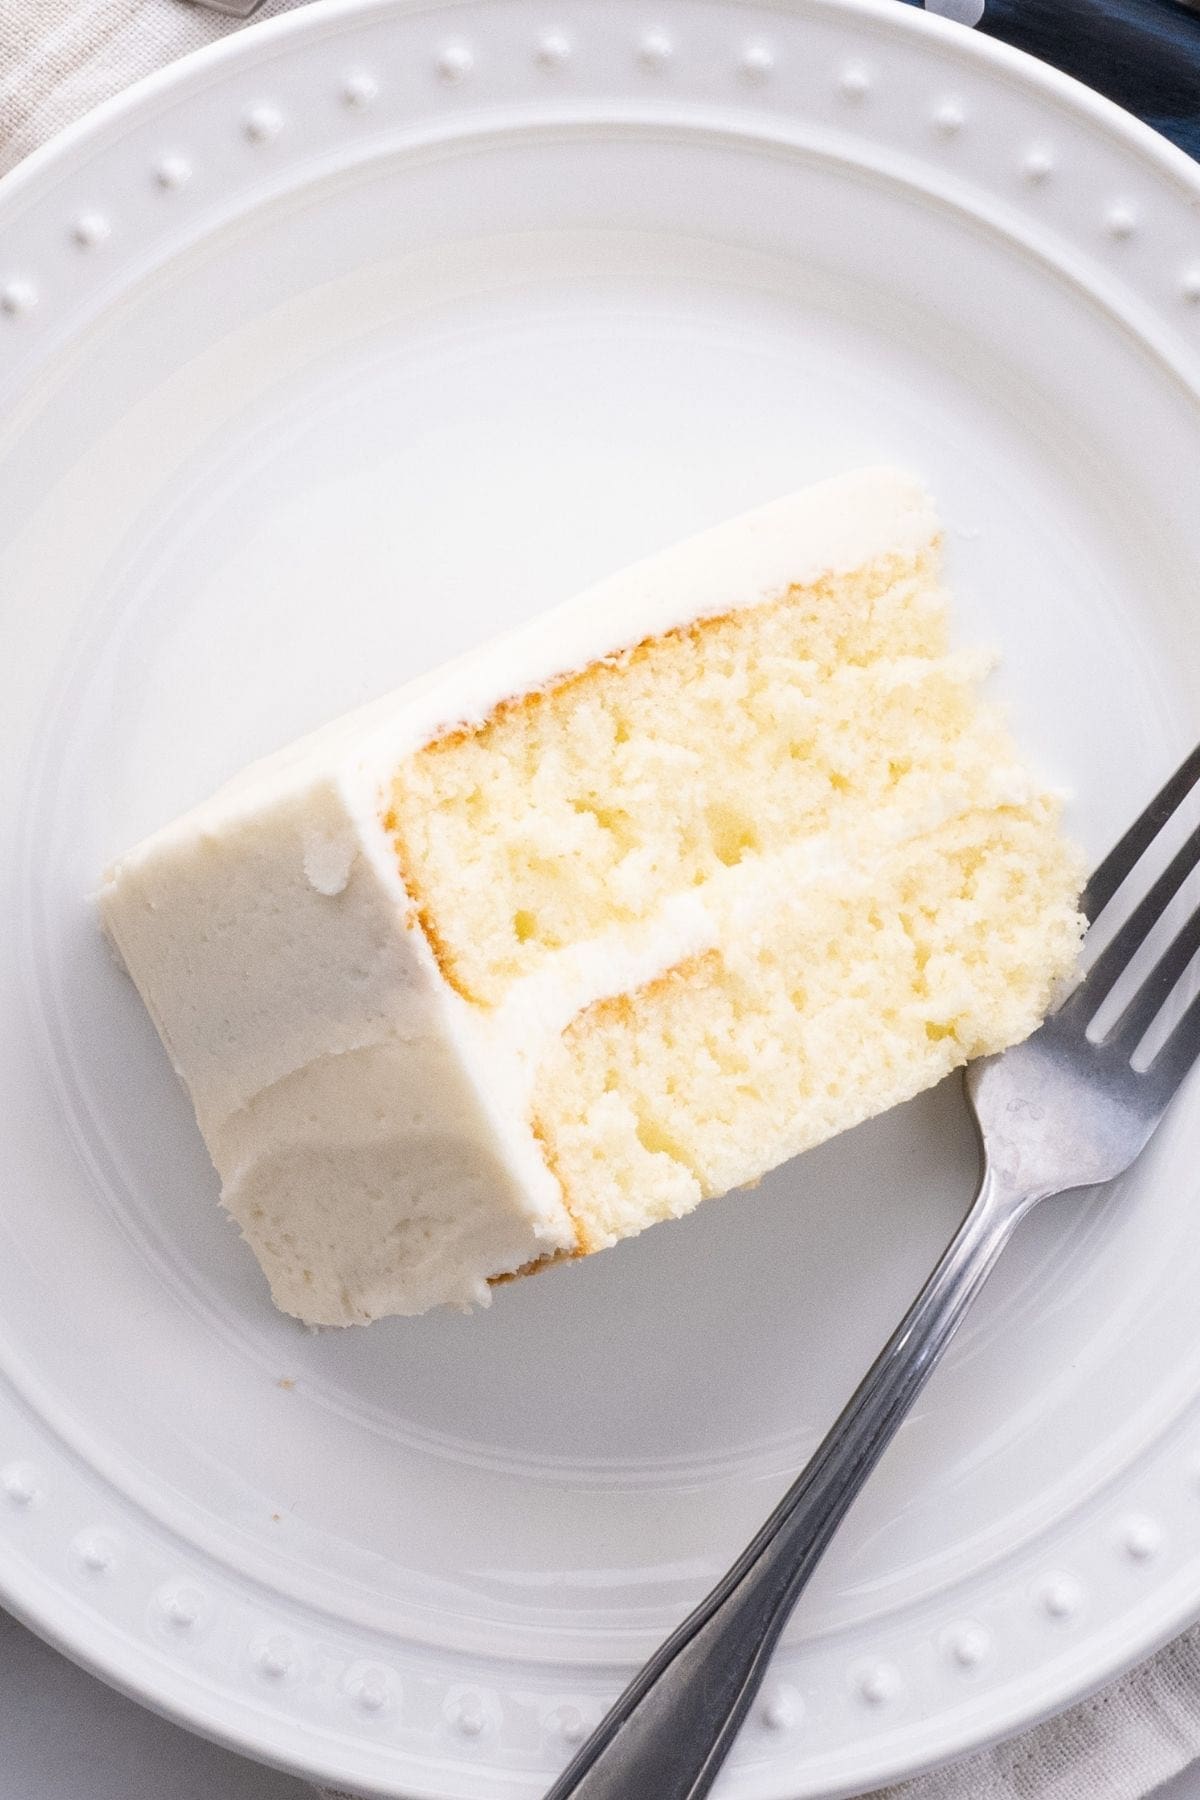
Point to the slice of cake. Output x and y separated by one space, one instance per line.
718 859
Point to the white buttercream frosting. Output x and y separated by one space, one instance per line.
370 1126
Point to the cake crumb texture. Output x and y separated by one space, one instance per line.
586 804
885 887
862 990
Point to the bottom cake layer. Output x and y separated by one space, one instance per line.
829 1000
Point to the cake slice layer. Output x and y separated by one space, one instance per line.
826 1002
591 801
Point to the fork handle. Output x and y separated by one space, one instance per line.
672 1728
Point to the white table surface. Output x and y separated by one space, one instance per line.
65 1736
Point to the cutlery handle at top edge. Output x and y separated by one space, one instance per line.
672 1728
1142 54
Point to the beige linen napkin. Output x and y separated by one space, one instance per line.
57 59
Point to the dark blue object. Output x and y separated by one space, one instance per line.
1144 54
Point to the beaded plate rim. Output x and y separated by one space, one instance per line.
64 1543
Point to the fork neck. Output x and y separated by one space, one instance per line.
999 1205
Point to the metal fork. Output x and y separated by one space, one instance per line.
1059 1111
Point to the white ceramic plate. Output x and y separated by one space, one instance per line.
324 355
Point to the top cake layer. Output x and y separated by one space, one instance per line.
590 803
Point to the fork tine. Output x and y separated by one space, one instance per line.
1119 862
1179 1052
1114 958
1156 989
